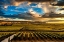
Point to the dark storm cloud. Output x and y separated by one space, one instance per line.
19 1
1 13
22 16
34 0
59 3
62 9
5 2
25 16
1 7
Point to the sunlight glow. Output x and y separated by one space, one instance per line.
59 18
17 3
34 13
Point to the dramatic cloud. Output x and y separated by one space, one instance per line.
33 0
58 3
62 9
18 2
27 9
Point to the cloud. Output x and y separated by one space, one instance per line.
62 9
46 7
28 10
33 13
33 0
18 2
33 4
58 3
6 6
30 16
23 5
27 16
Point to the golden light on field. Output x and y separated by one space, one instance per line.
56 20
59 18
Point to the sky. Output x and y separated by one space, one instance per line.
21 8
28 10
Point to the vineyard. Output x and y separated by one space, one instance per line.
38 36
32 33
4 35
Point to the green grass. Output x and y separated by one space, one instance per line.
33 27
44 26
10 28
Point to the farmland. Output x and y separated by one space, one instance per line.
38 36
4 35
34 32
